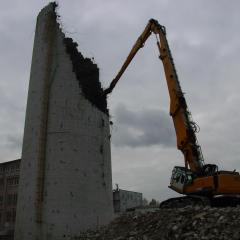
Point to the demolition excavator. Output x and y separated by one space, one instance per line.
200 183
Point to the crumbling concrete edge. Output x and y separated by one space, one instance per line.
87 76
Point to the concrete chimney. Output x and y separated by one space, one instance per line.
65 179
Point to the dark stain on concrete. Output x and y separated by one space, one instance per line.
88 76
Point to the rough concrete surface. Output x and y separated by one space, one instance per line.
65 178
172 224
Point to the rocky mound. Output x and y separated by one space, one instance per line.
185 223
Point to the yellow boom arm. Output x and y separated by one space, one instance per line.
185 128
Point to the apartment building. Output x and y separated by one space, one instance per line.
124 200
9 177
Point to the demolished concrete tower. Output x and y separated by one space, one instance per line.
65 183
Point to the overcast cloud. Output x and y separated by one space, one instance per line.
205 42
142 128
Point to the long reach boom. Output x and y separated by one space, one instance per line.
185 128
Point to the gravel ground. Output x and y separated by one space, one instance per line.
184 223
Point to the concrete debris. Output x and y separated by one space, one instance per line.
169 224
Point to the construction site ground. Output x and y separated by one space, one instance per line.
169 224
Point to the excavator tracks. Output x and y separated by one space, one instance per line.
201 201
186 201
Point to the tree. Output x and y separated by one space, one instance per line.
144 202
153 203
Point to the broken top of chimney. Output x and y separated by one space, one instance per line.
87 72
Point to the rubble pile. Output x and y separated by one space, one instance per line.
168 224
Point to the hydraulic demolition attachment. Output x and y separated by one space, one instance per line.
202 183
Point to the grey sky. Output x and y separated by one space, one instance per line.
205 42
142 128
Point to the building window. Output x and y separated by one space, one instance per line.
15 198
14 215
13 180
1 182
9 199
16 180
10 181
17 166
8 216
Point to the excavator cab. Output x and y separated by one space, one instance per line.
180 178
